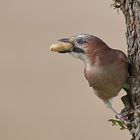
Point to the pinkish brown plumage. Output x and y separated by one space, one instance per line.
106 69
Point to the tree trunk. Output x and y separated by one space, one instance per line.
131 11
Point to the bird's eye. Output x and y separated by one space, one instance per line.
81 41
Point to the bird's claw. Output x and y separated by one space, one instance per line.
123 119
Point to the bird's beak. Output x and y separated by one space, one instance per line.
74 48
68 42
65 47
65 40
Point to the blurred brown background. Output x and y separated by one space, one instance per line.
43 95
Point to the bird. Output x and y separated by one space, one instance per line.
106 69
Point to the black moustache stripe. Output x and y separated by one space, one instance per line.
77 50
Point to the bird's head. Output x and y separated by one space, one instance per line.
84 46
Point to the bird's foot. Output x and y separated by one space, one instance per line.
123 118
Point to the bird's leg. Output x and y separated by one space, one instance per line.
118 115
108 104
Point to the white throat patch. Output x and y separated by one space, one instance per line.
81 56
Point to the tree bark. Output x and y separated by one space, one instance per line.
131 11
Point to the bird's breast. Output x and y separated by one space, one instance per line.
107 81
95 75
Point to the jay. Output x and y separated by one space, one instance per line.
106 69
